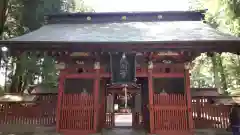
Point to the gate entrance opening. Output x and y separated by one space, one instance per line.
121 102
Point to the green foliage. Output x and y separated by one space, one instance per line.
49 72
81 7
200 75
25 16
224 68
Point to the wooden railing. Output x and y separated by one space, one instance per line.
109 120
207 115
170 112
42 111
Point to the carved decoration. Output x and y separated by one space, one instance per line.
168 53
167 61
163 91
79 62
76 54
60 65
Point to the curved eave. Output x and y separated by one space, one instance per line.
147 46
130 17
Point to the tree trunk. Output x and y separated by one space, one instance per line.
3 15
219 81
214 68
223 76
16 78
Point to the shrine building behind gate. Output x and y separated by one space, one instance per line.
139 61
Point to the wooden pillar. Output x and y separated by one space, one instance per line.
96 95
60 94
103 100
188 94
150 96
133 110
112 113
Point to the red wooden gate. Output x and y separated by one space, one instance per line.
170 114
77 113
75 106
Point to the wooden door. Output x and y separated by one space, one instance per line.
76 113
170 114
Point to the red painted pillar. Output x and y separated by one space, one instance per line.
150 94
102 113
188 94
96 95
112 113
60 94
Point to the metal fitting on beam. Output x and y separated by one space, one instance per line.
187 65
150 65
96 65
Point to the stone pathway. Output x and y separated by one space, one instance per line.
122 131
125 119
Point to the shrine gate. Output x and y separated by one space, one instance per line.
152 50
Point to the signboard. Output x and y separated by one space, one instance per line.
123 68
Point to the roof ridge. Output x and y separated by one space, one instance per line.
125 17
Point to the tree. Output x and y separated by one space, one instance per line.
224 15
25 16
3 15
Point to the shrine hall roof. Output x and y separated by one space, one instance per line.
182 31
126 32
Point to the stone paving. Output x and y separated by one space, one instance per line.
26 130
111 132
119 131
31 130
